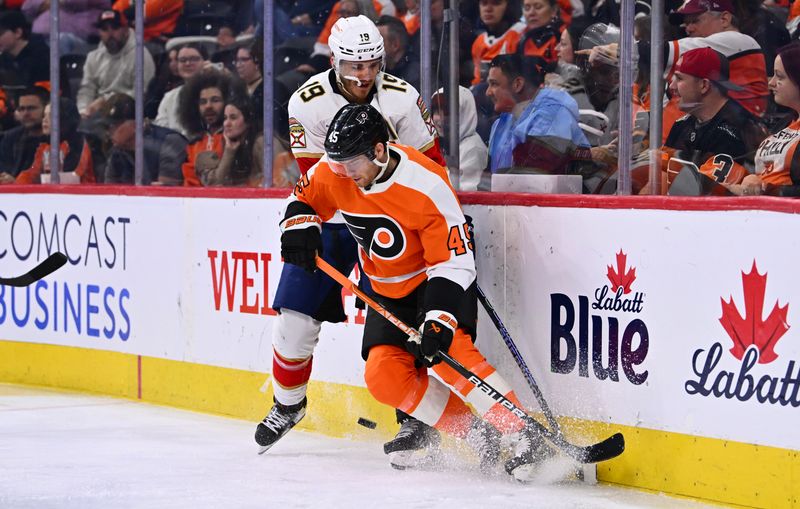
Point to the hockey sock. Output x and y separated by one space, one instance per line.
291 378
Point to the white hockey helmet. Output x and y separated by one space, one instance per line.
355 39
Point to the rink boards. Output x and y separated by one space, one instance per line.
673 321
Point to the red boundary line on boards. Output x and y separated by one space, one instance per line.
715 203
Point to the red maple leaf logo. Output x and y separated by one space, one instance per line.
620 278
752 330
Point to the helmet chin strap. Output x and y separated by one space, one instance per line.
382 166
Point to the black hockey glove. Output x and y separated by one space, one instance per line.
436 334
301 239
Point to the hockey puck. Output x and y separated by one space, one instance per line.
367 423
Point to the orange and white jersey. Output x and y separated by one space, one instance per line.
313 106
748 69
793 20
486 47
778 159
409 228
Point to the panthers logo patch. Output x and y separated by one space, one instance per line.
297 134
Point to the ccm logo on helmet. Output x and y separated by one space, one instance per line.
378 235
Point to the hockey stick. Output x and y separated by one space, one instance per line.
498 323
609 448
51 264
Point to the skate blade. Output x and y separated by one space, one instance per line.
264 448
418 459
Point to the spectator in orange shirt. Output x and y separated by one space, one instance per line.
76 157
503 32
18 145
160 17
542 30
242 160
778 157
201 109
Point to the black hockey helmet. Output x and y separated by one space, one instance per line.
354 130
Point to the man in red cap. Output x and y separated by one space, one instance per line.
712 23
715 135
701 18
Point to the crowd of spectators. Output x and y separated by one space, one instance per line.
539 89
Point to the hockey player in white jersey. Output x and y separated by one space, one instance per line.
304 300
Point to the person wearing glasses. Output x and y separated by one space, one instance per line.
192 58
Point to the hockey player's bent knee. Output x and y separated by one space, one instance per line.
390 374
295 335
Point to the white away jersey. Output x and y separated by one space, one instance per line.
313 106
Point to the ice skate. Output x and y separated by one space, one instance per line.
415 444
278 422
484 440
530 451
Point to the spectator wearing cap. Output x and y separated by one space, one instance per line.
19 144
538 127
76 21
712 23
76 157
164 149
201 111
24 60
778 157
714 135
110 69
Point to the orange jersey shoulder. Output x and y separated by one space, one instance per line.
408 228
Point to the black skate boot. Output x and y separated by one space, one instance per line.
484 439
414 443
530 450
278 422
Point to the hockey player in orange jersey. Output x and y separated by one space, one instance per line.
415 248
305 300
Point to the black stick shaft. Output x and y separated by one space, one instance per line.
509 341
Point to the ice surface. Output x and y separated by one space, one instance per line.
62 449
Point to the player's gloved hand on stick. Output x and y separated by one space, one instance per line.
301 240
436 334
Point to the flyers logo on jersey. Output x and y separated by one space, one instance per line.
378 235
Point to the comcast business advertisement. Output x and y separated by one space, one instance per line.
188 279
654 319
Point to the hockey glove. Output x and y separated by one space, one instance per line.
301 240
436 334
